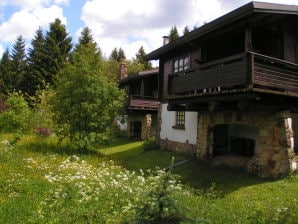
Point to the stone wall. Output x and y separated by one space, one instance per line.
275 154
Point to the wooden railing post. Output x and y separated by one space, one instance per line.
250 69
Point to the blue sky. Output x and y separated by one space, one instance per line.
128 24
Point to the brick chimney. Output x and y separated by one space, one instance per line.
123 71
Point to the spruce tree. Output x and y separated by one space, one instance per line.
5 72
118 55
186 30
140 59
86 40
34 78
121 55
114 55
18 64
56 50
174 35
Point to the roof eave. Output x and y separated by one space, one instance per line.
236 14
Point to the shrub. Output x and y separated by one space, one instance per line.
17 115
160 204
150 144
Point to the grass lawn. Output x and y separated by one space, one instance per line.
41 182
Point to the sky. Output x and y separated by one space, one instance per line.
128 24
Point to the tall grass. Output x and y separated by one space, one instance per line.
41 182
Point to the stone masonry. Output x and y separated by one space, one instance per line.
275 154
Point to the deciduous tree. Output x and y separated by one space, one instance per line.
86 102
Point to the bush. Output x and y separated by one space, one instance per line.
160 203
150 144
17 115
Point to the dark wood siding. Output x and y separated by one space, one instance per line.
275 75
196 55
166 72
217 74
242 72
290 43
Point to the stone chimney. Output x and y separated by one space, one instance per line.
166 40
123 71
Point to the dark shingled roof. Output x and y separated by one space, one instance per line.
235 15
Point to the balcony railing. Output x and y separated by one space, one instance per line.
143 103
238 72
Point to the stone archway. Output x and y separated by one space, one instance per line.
275 154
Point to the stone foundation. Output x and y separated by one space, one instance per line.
173 146
275 154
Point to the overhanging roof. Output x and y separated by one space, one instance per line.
140 75
237 14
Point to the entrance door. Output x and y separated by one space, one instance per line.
136 127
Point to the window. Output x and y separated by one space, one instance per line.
180 120
181 64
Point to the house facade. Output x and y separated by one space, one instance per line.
230 87
142 104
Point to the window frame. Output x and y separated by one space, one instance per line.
181 63
179 120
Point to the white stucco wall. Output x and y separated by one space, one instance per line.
122 123
168 121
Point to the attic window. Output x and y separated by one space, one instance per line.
181 64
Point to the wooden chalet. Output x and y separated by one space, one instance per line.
142 102
240 69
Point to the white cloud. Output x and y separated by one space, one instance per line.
117 23
26 22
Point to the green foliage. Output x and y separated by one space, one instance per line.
150 144
160 204
17 115
85 102
56 50
186 30
86 39
117 55
36 72
18 64
174 35
41 182
140 59
5 72
43 116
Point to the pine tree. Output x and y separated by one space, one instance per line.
34 78
18 63
121 55
5 72
114 55
57 49
117 55
86 40
140 59
186 30
174 35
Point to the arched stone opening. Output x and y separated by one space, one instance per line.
235 139
271 132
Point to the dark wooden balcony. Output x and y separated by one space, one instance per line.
143 103
243 72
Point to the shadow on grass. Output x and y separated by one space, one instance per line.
195 173
131 155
